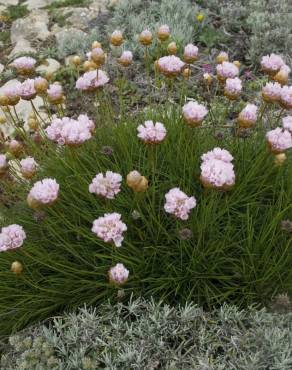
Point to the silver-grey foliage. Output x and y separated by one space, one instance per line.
144 335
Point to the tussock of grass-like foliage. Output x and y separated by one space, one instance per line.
144 335
238 252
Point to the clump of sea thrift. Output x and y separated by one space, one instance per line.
43 193
110 228
107 186
179 204
118 274
279 140
152 133
11 237
194 113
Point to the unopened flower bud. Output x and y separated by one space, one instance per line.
186 72
222 57
16 267
237 63
137 182
207 78
126 58
32 124
76 60
145 37
41 85
4 100
89 66
172 48
163 32
200 17
282 76
15 147
2 120
280 159
96 44
98 56
116 38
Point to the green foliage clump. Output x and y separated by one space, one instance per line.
145 335
14 12
63 3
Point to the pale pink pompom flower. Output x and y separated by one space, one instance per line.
108 185
75 132
110 228
170 65
84 120
92 80
286 97
194 113
44 192
11 237
217 174
12 93
287 123
118 274
126 58
217 153
28 167
151 133
27 90
191 53
271 92
226 70
233 87
279 140
272 63
24 64
54 130
55 93
179 204
248 116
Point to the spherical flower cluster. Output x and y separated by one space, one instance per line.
55 94
222 57
145 37
215 172
226 70
10 95
92 80
151 133
194 113
137 182
279 140
163 32
108 185
170 65
41 85
248 116
283 75
118 274
110 228
179 204
27 90
28 167
191 53
44 192
15 147
24 65
3 163
233 88
98 56
11 237
68 131
287 123
271 92
126 58
116 38
286 97
271 64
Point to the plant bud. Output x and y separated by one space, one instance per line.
98 56
281 77
145 37
16 267
222 57
2 120
32 124
207 78
280 159
126 58
137 182
163 32
41 85
200 17
237 63
49 75
76 60
116 38
172 48
89 66
95 45
186 72
4 100
15 148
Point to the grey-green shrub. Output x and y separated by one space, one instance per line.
144 335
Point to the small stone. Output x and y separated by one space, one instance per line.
9 2
22 46
80 17
1 68
48 66
37 4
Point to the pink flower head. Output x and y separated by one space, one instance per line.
84 120
28 167
226 70
194 113
170 65
191 53
55 93
248 116
217 153
163 32
90 82
12 93
217 174
271 92
27 90
179 204
286 97
11 237
233 87
3 163
145 37
272 63
24 64
126 58
54 131
110 228
44 192
222 57
287 123
279 140
107 185
118 274
151 133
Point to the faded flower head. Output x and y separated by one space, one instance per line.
279 140
92 80
287 123
116 38
108 185
283 75
151 133
194 113
233 87
191 53
110 228
145 37
11 237
27 90
55 94
41 85
118 274
137 182
28 167
163 32
170 65
179 204
248 116
126 58
44 192
185 234
272 63
226 70
107 150
286 225
271 92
